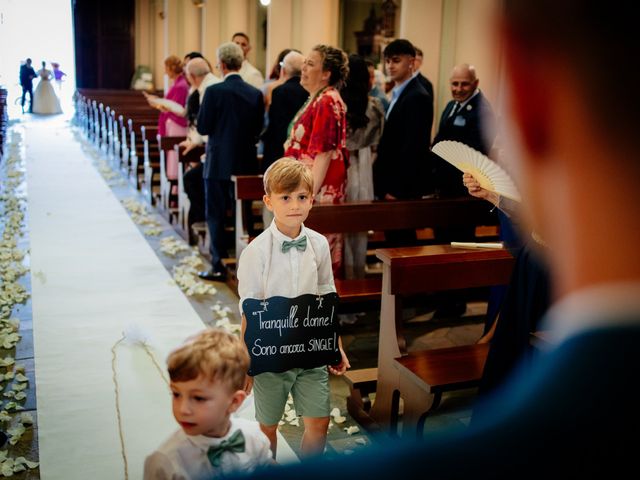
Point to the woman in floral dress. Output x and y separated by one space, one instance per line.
317 134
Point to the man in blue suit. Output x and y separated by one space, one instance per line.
576 414
231 114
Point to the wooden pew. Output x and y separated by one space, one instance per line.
167 185
184 204
408 272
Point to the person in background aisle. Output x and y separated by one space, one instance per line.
365 119
575 412
27 74
58 75
318 132
231 114
248 72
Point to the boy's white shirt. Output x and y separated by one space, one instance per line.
183 456
264 271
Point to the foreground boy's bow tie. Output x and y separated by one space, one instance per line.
235 443
300 244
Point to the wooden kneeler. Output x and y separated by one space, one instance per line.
427 374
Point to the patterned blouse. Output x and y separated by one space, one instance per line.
321 126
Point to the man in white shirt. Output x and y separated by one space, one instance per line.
248 72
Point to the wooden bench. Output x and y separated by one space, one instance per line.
427 374
184 204
365 216
168 186
407 272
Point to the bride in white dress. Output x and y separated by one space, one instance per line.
45 100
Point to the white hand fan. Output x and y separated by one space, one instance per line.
488 173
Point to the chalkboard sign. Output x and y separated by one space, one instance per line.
284 333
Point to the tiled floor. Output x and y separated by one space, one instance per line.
27 445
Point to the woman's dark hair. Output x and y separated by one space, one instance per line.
335 61
275 71
355 93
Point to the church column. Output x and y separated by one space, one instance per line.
315 22
189 28
211 30
158 43
468 37
279 34
144 32
421 24
235 18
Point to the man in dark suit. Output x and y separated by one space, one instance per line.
468 119
231 114
424 81
403 151
27 74
401 170
286 100
576 414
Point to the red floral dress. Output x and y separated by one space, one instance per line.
321 126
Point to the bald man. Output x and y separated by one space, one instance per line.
286 100
199 74
468 119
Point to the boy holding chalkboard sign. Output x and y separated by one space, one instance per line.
288 264
207 378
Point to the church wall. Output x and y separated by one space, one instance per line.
448 31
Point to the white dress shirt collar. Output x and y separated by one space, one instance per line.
605 305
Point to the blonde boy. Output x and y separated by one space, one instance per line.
270 267
207 379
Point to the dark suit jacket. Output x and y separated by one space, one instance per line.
402 168
286 100
574 416
426 83
475 126
231 113
27 74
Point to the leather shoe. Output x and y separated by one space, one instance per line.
214 275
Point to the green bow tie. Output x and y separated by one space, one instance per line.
300 244
235 443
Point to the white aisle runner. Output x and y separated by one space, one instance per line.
94 276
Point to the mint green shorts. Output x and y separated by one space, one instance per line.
308 387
